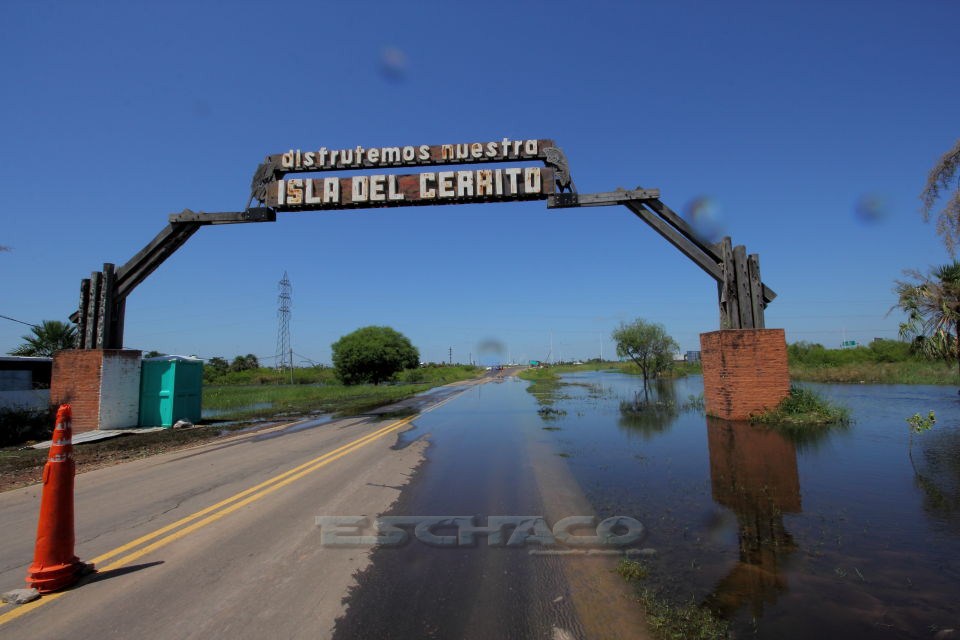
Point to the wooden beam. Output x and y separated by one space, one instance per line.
676 239
674 219
605 199
743 286
756 291
152 256
257 214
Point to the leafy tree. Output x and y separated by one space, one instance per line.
245 363
372 354
946 170
648 345
47 338
932 305
153 354
218 364
215 368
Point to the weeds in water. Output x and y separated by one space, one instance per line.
549 413
803 407
919 424
694 403
682 622
631 570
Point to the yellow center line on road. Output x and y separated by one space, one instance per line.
220 509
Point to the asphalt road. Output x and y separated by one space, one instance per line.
221 540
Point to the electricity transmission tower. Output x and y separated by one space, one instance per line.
284 355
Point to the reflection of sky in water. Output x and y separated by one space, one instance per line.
837 535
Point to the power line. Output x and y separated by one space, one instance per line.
29 324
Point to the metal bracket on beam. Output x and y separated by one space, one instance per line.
606 199
255 214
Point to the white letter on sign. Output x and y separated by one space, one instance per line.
295 191
484 182
464 183
331 190
531 180
377 188
512 175
308 196
427 192
393 189
360 189
445 184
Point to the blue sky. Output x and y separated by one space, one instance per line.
791 118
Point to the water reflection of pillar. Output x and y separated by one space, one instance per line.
753 473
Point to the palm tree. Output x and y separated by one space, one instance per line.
946 170
932 305
48 337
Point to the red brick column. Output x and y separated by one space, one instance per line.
744 371
76 380
101 395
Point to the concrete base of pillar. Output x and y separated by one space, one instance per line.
744 371
101 385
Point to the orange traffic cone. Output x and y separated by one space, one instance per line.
54 565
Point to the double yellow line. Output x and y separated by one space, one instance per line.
160 538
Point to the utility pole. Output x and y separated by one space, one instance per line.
284 353
450 354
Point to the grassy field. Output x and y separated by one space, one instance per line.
908 372
245 401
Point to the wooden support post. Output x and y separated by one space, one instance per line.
105 307
116 332
90 335
743 286
756 291
730 309
82 318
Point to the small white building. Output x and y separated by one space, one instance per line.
25 382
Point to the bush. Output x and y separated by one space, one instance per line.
373 355
804 407
20 425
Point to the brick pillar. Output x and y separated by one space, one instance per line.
100 384
744 371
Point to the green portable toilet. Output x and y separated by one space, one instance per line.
170 390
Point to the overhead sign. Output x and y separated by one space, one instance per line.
434 187
359 157
430 187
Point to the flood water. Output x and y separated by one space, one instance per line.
852 533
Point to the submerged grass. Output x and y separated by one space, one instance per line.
682 622
803 407
668 620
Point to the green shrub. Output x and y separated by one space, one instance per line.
803 407
20 425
